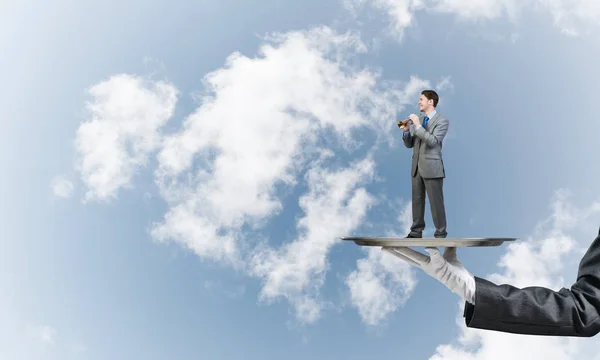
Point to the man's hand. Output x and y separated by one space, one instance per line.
415 120
446 269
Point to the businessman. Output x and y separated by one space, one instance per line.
427 170
532 310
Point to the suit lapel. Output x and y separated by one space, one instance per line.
432 121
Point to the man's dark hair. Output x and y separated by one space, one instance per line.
431 95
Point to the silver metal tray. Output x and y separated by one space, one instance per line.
425 242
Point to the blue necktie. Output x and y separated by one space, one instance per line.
425 122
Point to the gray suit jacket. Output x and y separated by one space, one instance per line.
537 310
427 147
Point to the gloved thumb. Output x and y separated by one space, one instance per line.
433 252
436 258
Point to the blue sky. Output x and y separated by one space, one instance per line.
177 176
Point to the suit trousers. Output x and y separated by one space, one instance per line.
434 190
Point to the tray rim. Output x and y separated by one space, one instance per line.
392 241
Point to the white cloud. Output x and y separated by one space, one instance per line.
444 84
334 206
478 9
122 130
400 12
261 124
570 16
536 261
257 129
62 187
381 283
43 333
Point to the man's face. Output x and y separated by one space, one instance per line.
424 103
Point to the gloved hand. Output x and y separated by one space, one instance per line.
446 269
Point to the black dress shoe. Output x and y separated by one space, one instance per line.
413 236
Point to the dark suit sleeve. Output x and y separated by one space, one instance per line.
538 310
408 139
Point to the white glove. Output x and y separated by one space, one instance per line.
446 269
